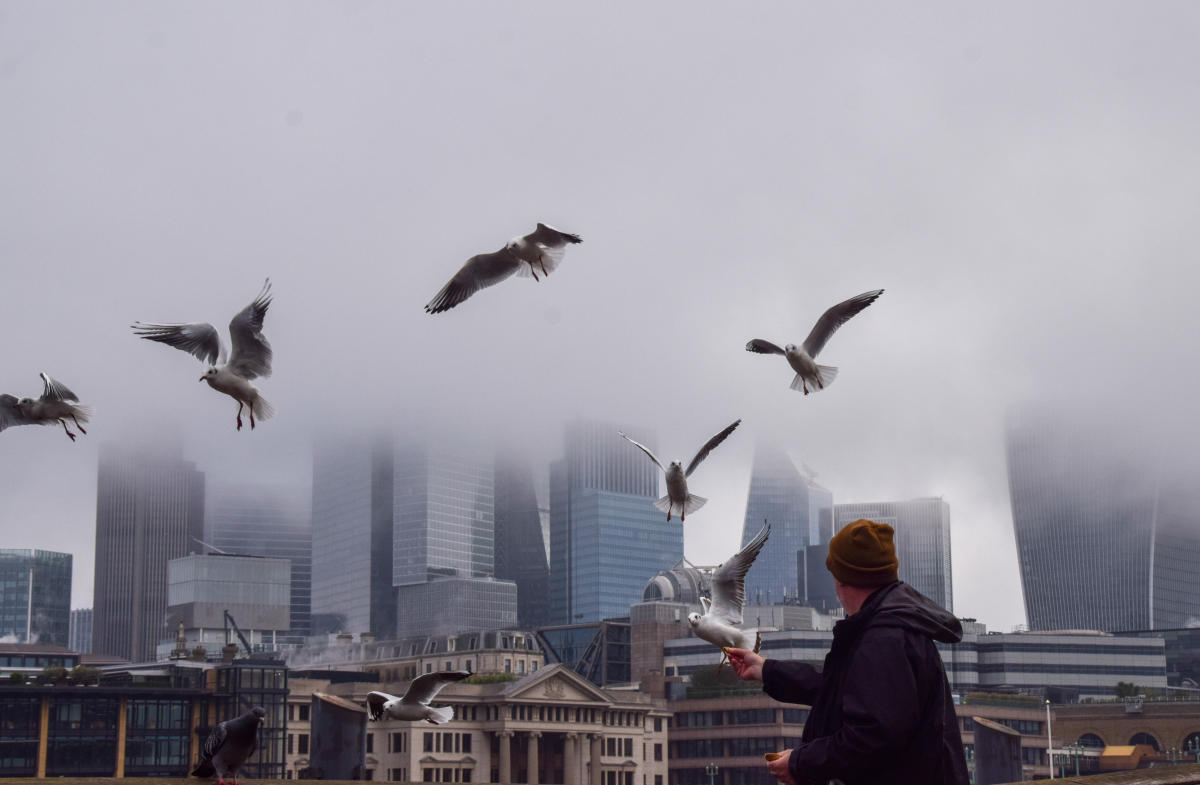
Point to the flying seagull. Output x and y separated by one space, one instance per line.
803 358
415 703
677 497
56 405
540 250
250 358
724 611
229 745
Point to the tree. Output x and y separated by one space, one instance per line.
17 678
84 674
1127 689
54 674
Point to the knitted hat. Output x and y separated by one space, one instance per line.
862 554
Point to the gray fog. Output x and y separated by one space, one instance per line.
1021 179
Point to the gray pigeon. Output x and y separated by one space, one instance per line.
229 745
56 406
415 703
542 249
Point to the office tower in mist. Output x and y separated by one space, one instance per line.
800 512
149 509
520 549
271 521
35 596
79 638
1107 520
606 538
922 539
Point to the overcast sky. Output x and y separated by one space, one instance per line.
1021 179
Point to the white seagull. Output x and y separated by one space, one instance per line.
415 703
250 358
724 611
803 358
54 407
542 249
677 497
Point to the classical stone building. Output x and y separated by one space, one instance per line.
550 727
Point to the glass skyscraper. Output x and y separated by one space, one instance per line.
149 510
80 635
273 521
800 512
1107 521
922 541
520 548
35 596
606 538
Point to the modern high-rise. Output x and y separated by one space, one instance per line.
922 539
520 549
271 521
35 596
800 512
149 510
79 639
1107 520
606 538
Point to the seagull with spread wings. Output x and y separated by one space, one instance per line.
250 358
542 249
722 614
803 358
415 703
677 497
56 405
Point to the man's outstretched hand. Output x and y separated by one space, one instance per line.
779 767
747 664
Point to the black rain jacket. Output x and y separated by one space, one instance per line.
882 712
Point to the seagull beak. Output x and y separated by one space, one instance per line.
202 378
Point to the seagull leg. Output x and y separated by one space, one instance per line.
251 428
239 415
77 425
724 659
533 272
542 260
64 425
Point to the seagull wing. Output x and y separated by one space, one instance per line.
644 449
707 448
729 579
56 391
480 272
250 356
375 703
424 688
759 346
198 339
834 318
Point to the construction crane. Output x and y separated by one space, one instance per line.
229 622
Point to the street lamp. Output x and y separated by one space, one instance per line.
1049 744
711 770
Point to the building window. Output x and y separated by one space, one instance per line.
427 775
507 665
302 744
658 724
370 744
466 744
289 744
303 713
428 748
521 666
658 752
466 775
468 666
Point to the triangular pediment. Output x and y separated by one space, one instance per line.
556 683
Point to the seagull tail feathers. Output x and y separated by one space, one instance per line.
693 503
83 413
828 374
263 410
440 715
663 504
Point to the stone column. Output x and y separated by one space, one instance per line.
597 751
570 758
505 737
532 756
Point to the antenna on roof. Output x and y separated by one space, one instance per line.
210 547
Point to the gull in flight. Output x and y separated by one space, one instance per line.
721 614
56 405
250 358
677 497
542 249
415 703
803 358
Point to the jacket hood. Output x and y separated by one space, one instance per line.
900 605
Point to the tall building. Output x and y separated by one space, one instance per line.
149 510
800 512
79 639
606 538
1107 521
922 541
520 548
271 521
35 596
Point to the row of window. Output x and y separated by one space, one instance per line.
446 742
709 719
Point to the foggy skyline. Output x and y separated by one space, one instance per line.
1020 179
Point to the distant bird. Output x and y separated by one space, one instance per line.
229 745
803 358
415 703
55 406
677 497
250 359
542 249
724 611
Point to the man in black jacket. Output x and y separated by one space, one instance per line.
882 712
